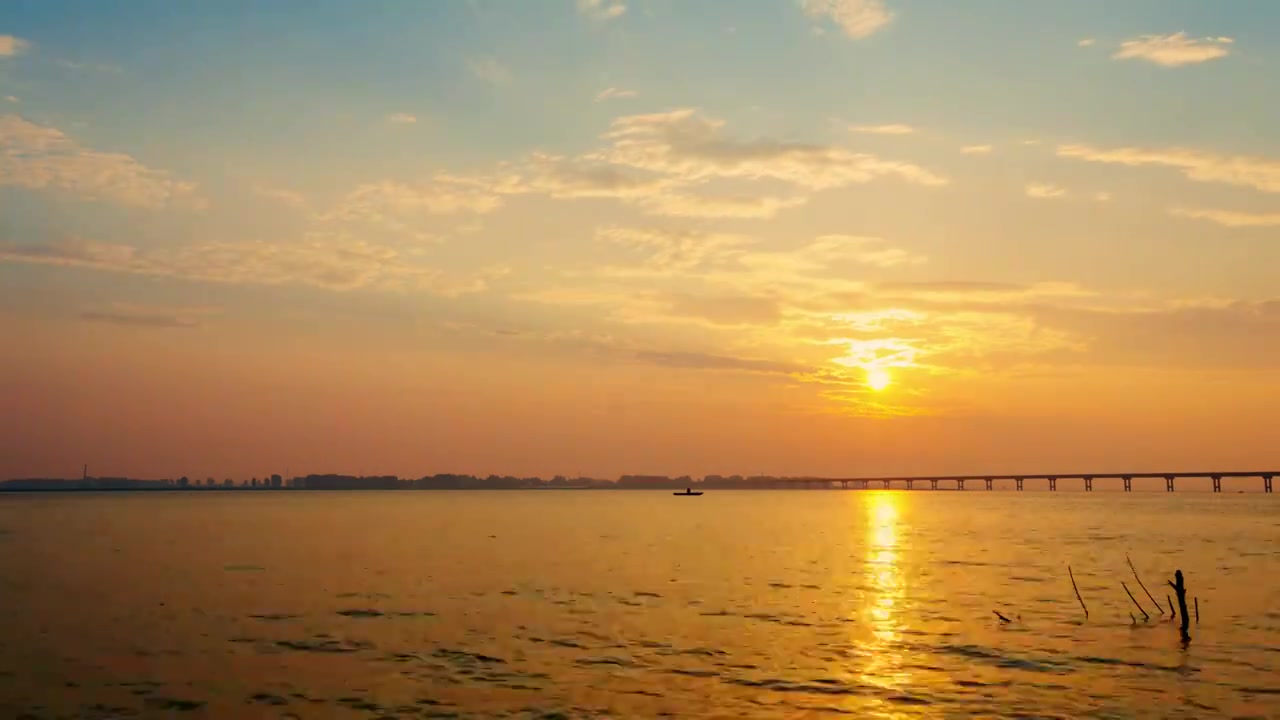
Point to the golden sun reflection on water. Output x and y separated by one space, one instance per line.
884 592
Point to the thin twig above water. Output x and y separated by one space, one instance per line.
1077 589
1145 616
1144 587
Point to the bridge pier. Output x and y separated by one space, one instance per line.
1128 483
988 481
1217 483
959 484
910 484
1168 483
886 484
844 484
1088 484
1019 481
934 484
1053 484
1266 483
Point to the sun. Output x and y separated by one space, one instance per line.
878 379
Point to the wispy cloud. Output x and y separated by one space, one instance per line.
602 10
490 70
1086 42
857 18
340 264
38 156
613 93
704 206
402 118
1173 50
1102 197
151 316
12 98
690 146
976 149
890 129
11 46
1044 191
1229 218
1242 170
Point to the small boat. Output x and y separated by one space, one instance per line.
688 491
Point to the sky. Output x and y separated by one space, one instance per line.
795 237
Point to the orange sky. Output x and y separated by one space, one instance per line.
420 241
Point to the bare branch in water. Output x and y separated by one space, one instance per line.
1073 587
1144 587
1145 616
1002 618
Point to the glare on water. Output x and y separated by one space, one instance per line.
615 603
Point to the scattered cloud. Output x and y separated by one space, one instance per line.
1044 191
490 70
671 251
891 129
1102 197
390 199
12 98
976 149
402 118
150 315
602 10
1229 218
11 46
613 93
39 156
857 18
1242 170
703 361
693 148
339 264
702 206
1087 42
1173 50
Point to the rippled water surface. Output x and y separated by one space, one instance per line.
634 604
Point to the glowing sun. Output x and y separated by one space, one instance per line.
878 379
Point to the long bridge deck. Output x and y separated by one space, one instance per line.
958 481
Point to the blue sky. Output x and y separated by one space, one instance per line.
767 198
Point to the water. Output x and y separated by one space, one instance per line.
633 604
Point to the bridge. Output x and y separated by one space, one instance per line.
957 482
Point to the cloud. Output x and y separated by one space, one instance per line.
693 148
402 118
891 129
671 251
388 200
338 264
976 149
149 316
1044 191
1102 197
1258 173
858 18
601 10
1229 218
613 93
703 361
1173 50
11 46
39 157
490 70
1086 42
701 206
